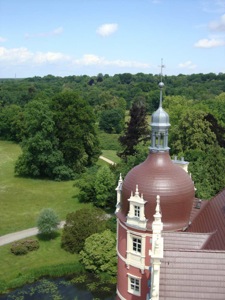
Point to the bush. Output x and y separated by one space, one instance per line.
80 225
47 222
23 247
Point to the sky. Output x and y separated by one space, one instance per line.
88 37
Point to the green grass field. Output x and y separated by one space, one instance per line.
22 199
111 154
49 260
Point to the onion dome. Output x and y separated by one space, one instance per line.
158 175
160 125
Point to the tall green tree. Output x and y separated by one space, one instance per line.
75 130
112 120
207 169
192 131
41 156
104 188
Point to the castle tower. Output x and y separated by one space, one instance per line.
136 202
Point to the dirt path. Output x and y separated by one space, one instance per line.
107 160
16 236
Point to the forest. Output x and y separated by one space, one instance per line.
63 123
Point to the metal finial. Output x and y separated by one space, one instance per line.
161 84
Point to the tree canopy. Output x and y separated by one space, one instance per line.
99 253
80 225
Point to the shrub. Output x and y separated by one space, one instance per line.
23 247
47 222
80 225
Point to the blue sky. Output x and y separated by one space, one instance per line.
77 37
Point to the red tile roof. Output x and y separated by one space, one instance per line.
185 240
191 275
212 219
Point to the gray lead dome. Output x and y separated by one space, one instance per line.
160 118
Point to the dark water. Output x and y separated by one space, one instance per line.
54 289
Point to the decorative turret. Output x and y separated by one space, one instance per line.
158 175
160 125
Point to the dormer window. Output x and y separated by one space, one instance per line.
136 215
137 245
137 211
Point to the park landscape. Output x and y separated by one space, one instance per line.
52 132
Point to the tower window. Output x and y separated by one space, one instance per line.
136 245
134 285
137 211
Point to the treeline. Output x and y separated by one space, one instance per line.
56 120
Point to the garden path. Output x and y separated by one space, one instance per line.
12 237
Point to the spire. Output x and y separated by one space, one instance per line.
160 123
161 84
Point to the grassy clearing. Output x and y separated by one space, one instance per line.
22 199
111 154
50 254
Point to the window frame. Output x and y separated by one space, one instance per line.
134 285
136 244
137 211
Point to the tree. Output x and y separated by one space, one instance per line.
191 132
47 222
99 253
112 120
97 187
80 225
41 156
207 171
11 122
136 130
75 130
104 188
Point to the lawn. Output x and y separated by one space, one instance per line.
49 254
111 154
22 199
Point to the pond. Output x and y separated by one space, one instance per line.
55 289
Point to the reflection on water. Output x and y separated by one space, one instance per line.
54 289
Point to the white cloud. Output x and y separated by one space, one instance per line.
218 25
23 55
187 65
26 58
209 43
91 59
107 29
2 39
50 57
54 32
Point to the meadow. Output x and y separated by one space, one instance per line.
22 199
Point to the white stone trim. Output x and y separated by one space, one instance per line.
136 221
133 292
135 258
125 260
134 232
119 295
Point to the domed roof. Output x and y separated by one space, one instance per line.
160 118
158 175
